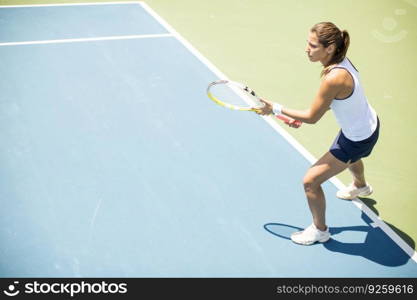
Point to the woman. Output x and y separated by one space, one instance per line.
341 91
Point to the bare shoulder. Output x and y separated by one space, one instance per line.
339 83
337 77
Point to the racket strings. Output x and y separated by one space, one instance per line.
252 92
230 94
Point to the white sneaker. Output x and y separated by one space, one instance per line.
351 192
310 235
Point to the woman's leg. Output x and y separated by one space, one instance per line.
325 168
358 172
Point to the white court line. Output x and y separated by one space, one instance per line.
106 38
69 4
365 209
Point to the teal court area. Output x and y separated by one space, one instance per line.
114 163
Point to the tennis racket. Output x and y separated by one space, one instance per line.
237 96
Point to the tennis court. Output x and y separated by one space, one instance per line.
116 164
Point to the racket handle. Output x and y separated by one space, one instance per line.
287 120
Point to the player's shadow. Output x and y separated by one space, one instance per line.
376 246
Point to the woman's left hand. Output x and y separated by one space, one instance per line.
266 109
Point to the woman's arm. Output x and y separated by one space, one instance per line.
330 86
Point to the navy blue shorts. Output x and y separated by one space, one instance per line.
349 151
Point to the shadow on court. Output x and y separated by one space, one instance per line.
371 204
376 246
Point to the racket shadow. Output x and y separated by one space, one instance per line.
281 230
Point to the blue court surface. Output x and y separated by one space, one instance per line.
114 163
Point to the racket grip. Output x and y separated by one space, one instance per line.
287 120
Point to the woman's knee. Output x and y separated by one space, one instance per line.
310 183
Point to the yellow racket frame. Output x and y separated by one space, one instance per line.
228 105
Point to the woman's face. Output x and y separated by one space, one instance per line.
315 50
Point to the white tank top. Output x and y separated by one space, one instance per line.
355 115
